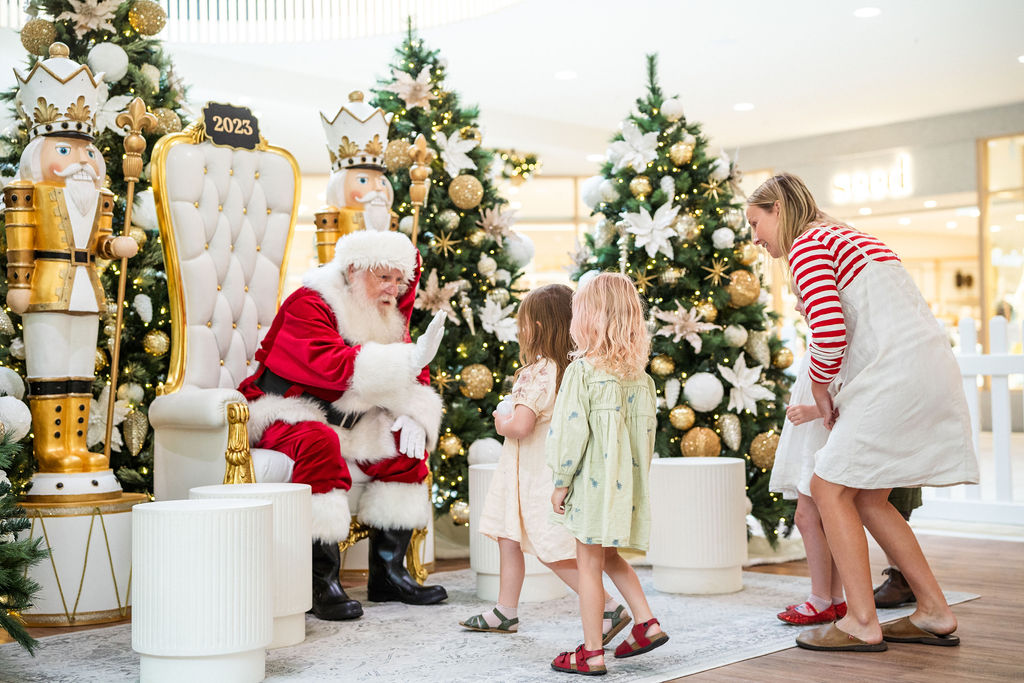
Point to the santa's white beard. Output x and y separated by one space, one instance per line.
361 320
83 193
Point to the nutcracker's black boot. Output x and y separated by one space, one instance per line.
389 579
329 600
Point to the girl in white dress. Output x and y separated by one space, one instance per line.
899 420
517 509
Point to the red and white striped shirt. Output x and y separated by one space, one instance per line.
824 260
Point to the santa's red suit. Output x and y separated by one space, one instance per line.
329 386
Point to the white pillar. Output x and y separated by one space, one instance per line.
698 524
201 590
540 583
292 578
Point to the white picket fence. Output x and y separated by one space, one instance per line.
993 499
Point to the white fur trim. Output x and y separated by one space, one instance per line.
381 373
268 409
394 505
370 440
352 314
367 249
331 516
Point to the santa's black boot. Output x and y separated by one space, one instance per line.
389 579
329 600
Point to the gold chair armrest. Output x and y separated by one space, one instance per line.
238 468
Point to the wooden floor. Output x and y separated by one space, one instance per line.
991 627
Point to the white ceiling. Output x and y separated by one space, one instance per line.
807 66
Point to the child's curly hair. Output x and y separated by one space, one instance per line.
608 325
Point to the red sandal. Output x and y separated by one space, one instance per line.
792 616
641 643
565 663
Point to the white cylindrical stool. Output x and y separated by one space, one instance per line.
540 583
698 524
201 590
291 581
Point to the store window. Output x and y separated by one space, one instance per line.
1001 205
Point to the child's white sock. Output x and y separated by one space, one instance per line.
611 604
838 600
492 619
820 604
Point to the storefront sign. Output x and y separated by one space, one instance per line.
873 184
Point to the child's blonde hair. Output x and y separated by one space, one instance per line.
608 325
544 318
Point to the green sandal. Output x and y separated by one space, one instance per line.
478 623
620 619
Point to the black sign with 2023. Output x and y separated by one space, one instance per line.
231 126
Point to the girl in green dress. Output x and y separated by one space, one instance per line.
599 449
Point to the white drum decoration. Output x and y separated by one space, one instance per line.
698 525
540 583
291 582
202 606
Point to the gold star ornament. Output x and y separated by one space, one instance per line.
444 244
716 273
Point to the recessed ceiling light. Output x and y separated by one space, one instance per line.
904 221
951 225
565 75
864 211
930 204
595 158
866 12
996 228
743 106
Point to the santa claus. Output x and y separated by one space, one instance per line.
341 389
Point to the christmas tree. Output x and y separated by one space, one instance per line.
471 257
669 220
115 38
16 589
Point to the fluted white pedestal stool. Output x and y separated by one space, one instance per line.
201 590
291 581
698 524
540 583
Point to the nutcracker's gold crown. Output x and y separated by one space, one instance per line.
59 96
357 135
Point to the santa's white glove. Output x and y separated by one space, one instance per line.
412 442
428 342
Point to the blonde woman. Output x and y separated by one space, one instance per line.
899 420
599 448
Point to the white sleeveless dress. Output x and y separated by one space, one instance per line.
794 456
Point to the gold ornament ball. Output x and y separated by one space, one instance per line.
743 288
707 311
680 153
459 512
166 121
662 365
640 186
782 359
139 235
476 381
701 442
746 253
101 360
450 445
762 450
156 343
396 156
681 417
477 238
466 192
37 35
147 17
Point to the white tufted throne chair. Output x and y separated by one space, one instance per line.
226 221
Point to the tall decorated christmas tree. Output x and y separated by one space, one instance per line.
113 37
668 218
471 256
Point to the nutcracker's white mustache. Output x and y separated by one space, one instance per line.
375 197
80 171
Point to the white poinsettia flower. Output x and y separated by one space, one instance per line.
415 92
496 319
746 391
98 420
636 149
653 233
454 152
109 108
682 324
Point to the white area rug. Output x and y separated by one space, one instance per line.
396 642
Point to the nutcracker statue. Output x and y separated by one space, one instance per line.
58 222
358 192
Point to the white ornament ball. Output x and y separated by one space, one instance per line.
519 248
17 348
11 383
672 109
668 186
151 74
110 59
590 191
723 238
720 168
15 417
484 451
448 219
735 336
609 192
405 225
703 391
486 266
502 276
131 392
